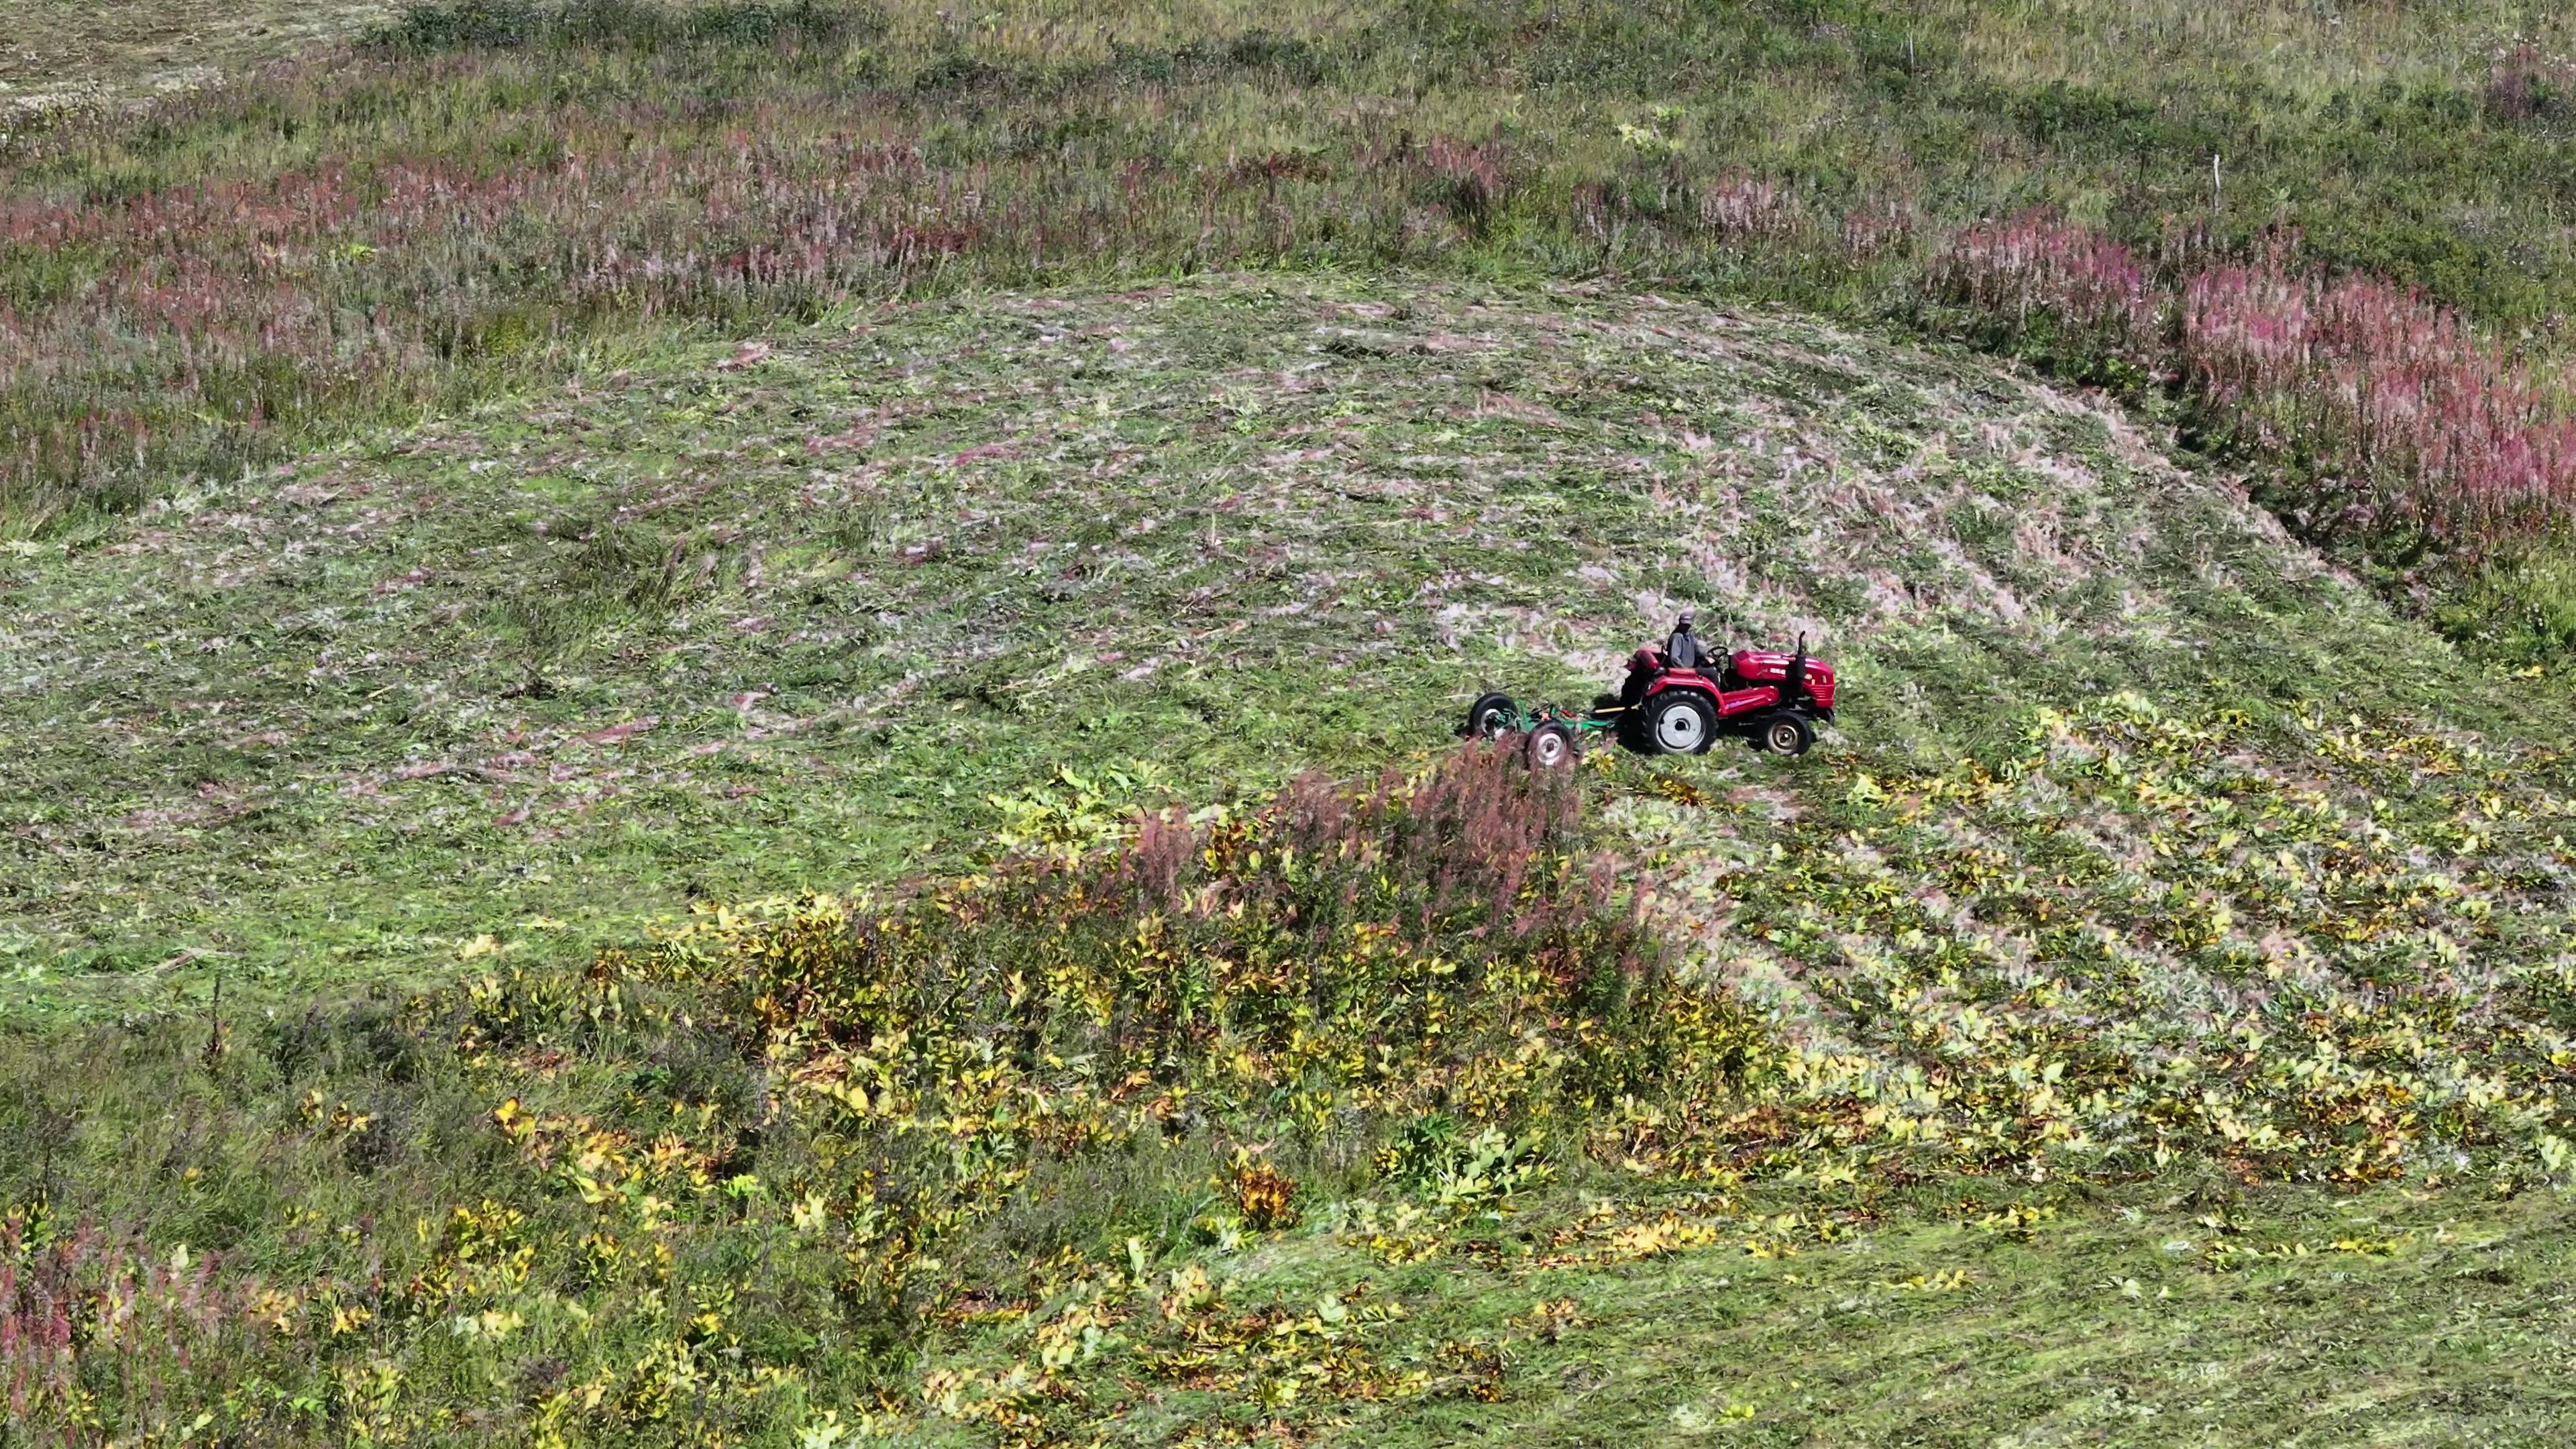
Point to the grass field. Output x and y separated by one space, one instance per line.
732 727
485 191
70 58
871 598
734 619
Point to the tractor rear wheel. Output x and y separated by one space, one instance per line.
1680 723
1491 715
1785 734
1549 747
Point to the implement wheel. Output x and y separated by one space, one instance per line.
1491 715
1549 747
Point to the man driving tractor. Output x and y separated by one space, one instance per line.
1682 650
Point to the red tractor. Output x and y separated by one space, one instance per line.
1764 695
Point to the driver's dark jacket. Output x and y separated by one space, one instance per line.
1685 651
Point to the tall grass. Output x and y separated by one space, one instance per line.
2405 419
724 1182
474 213
897 1155
2400 422
489 191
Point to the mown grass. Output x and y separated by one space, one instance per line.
75 55
734 620
2275 972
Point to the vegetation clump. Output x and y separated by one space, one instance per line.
768 1162
835 1154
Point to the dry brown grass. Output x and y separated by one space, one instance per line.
52 47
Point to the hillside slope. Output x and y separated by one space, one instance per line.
713 620
2143 1019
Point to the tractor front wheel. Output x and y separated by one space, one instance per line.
1680 723
1785 734
1492 715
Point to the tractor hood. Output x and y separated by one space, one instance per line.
1771 666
